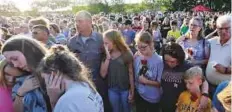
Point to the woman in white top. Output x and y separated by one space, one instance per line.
63 71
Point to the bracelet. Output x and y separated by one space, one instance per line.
19 95
205 94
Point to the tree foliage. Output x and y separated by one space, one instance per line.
52 4
8 8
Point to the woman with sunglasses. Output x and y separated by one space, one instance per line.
194 44
148 67
172 84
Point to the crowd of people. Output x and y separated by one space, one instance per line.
145 62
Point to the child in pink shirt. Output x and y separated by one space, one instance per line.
6 103
7 78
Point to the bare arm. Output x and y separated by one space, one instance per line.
104 68
18 104
131 78
153 83
205 87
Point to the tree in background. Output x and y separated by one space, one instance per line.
8 8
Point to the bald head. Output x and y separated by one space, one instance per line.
84 15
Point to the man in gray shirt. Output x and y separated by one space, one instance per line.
87 45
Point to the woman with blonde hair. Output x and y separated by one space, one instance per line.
117 67
148 68
8 76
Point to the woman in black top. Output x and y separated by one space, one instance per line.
165 27
172 82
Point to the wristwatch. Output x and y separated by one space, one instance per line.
205 94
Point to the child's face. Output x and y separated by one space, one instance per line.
193 84
173 27
10 74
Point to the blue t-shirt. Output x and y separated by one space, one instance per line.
79 97
155 68
216 102
129 35
61 39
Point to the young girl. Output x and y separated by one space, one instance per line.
157 38
7 80
117 67
147 81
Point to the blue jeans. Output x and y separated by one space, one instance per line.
119 99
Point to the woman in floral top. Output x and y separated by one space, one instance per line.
194 45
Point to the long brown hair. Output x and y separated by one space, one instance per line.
32 49
118 41
61 59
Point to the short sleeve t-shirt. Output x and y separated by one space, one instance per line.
176 34
185 104
6 103
79 98
173 85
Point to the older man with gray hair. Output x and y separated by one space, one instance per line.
87 45
219 64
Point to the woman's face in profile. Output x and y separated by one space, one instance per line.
17 59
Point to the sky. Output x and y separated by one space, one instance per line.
25 4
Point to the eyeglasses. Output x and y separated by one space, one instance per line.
35 33
194 25
225 28
141 47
